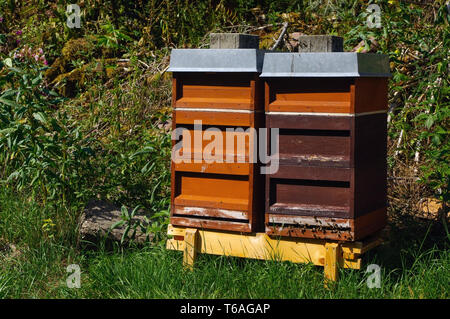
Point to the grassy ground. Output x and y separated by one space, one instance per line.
415 263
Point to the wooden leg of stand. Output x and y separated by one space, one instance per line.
190 248
331 270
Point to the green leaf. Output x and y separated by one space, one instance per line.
124 211
37 79
9 102
125 233
8 93
8 62
436 140
40 117
135 210
429 122
7 130
117 224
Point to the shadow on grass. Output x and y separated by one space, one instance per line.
410 238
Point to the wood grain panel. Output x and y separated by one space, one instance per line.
323 95
309 192
310 221
340 229
211 212
215 168
370 188
218 202
343 141
370 138
300 209
211 224
309 122
220 90
370 223
316 233
215 118
312 173
327 95
315 147
316 103
214 185
216 144
370 94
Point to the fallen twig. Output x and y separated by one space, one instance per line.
283 31
164 71
398 143
141 62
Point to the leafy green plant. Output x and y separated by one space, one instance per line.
112 38
40 148
154 225
130 224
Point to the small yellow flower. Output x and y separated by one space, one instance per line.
48 224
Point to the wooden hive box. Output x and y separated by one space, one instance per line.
222 89
330 109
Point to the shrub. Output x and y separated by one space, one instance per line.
41 148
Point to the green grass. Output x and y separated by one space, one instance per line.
411 266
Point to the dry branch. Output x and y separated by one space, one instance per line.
283 31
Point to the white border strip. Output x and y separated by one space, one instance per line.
326 114
277 113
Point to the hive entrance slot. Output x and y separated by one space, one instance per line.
305 132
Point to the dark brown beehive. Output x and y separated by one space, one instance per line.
222 89
330 109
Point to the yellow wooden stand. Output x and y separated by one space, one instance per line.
331 255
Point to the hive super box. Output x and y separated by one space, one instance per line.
222 89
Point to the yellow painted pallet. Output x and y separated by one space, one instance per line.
330 255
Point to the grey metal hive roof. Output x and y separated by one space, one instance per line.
326 64
216 60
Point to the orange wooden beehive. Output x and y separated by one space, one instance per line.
221 88
330 109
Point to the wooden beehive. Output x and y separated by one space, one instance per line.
330 109
221 88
